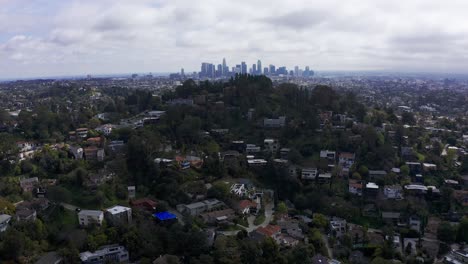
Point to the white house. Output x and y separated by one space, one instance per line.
4 221
271 145
88 217
119 215
393 192
309 173
239 189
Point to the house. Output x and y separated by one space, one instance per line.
375 175
105 254
415 167
145 204
4 222
37 204
372 189
93 153
29 184
338 227
252 148
291 227
230 158
415 223
131 190
292 170
239 189
189 161
328 155
25 214
309 173
271 145
256 162
119 215
346 159
77 152
355 187
105 129
82 132
116 146
165 217
393 192
274 123
319 259
429 167
199 207
391 217
50 258
245 206
324 178
217 216
95 141
284 153
90 217
271 231
286 240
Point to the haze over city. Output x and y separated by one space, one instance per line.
53 38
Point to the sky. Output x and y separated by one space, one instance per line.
40 38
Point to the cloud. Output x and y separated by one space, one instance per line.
77 37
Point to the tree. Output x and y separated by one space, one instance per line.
446 233
320 221
462 234
281 208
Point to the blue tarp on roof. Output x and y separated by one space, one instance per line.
163 216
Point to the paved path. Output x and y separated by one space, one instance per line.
268 218
325 240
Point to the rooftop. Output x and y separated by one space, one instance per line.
164 216
117 209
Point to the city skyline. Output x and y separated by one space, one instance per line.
213 70
56 38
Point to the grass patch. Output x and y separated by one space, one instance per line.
260 219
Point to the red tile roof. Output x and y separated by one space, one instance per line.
246 204
269 230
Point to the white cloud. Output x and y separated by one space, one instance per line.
78 37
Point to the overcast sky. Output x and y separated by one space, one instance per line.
67 37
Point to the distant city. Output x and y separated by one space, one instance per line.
211 71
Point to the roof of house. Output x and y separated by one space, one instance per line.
269 230
95 213
117 209
4 218
94 140
246 204
390 215
49 257
164 216
347 155
144 202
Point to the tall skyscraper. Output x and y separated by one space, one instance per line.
219 71
182 72
243 67
225 68
296 71
254 69
265 70
259 66
272 69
